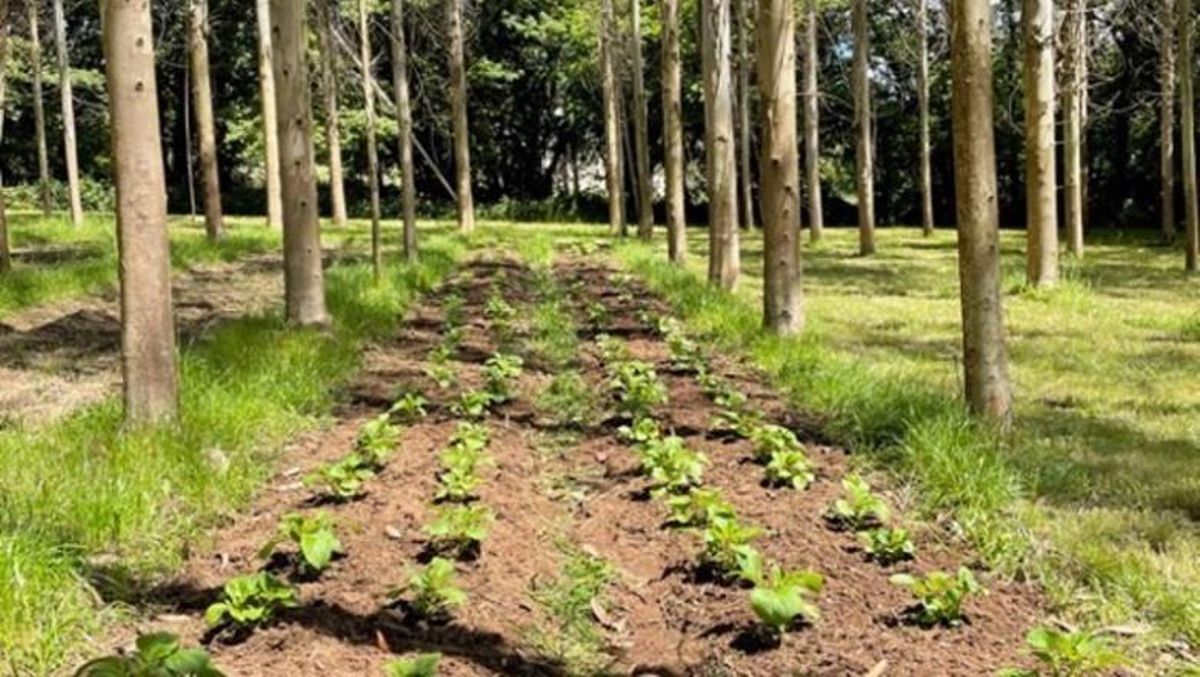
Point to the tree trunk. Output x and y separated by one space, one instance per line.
812 124
985 360
613 163
70 149
205 122
723 254
271 127
641 131
1073 41
333 132
865 161
39 110
923 105
673 133
151 384
745 175
5 253
1167 118
1041 177
304 285
404 117
368 83
458 111
1187 104
783 300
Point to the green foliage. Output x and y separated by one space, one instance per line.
860 508
612 350
685 353
672 466
698 508
459 528
770 439
939 594
741 423
887 545
569 632
313 536
568 399
1069 654
421 665
727 548
642 432
409 407
343 480
470 436
460 462
434 594
497 309
253 599
442 375
500 372
790 468
782 596
454 310
157 655
376 441
636 388
473 404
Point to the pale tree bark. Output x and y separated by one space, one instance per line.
721 161
1166 127
70 149
783 295
1074 57
744 64
1041 176
673 133
151 382
368 83
812 124
205 122
614 164
458 111
39 109
1187 104
641 130
404 118
865 154
333 123
304 285
5 253
266 84
923 115
985 360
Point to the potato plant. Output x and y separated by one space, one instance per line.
939 595
698 508
343 480
641 432
636 388
434 594
251 600
473 404
459 529
860 508
887 545
442 375
500 372
156 655
313 537
791 469
781 597
612 350
770 439
740 423
727 550
376 441
672 467
1069 654
421 665
409 407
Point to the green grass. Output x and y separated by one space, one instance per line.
90 510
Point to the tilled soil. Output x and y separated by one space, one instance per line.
550 487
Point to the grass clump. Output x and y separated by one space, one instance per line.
569 630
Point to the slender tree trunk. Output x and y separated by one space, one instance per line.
333 123
641 130
721 160
202 95
151 384
5 253
923 105
458 111
1041 177
70 149
862 127
812 124
187 146
39 109
1167 118
304 285
1073 44
404 117
745 174
613 162
985 358
266 81
783 296
673 133
1187 107
368 83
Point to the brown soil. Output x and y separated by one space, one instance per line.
657 617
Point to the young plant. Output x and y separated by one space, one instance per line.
783 596
453 309
770 439
672 466
887 545
636 388
740 423
860 509
727 549
940 595
313 537
376 441
442 375
568 629
434 595
643 431
501 371
698 508
568 400
470 436
686 354
1069 654
409 407
343 480
421 665
473 404
459 480
612 350
497 309
790 468
157 655
250 600
460 528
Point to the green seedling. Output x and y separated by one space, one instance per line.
157 655
860 509
685 353
376 441
440 354
636 388
887 545
940 595
597 313
422 665
454 310
643 431
343 480
568 399
727 549
458 482
410 407
313 537
698 508
783 596
500 372
473 404
612 350
470 436
434 595
740 423
460 528
672 466
442 375
250 600
770 439
790 468
497 309
1069 654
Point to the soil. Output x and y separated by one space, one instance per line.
551 486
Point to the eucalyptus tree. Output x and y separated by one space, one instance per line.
673 132
812 123
205 121
266 86
70 148
613 162
641 129
5 23
865 153
1187 103
404 119
33 9
326 14
719 148
1041 176
1075 82
368 85
458 113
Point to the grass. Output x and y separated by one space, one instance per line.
90 513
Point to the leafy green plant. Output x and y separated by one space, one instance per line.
940 595
442 375
597 313
376 441
1069 654
698 508
460 528
641 432
685 353
781 597
453 309
612 350
497 309
422 665
459 480
672 466
770 439
253 599
636 388
409 407
861 508
887 545
500 371
157 655
313 536
568 399
434 594
470 436
569 630
727 549
740 423
790 468
473 404
343 480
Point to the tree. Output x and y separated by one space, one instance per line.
673 133
404 117
458 111
1166 128
304 285
1041 177
266 84
721 161
613 164
641 130
5 254
151 384
812 124
985 360
862 126
783 302
329 91
745 175
39 110
1187 103
1075 56
923 114
70 150
368 83
205 122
